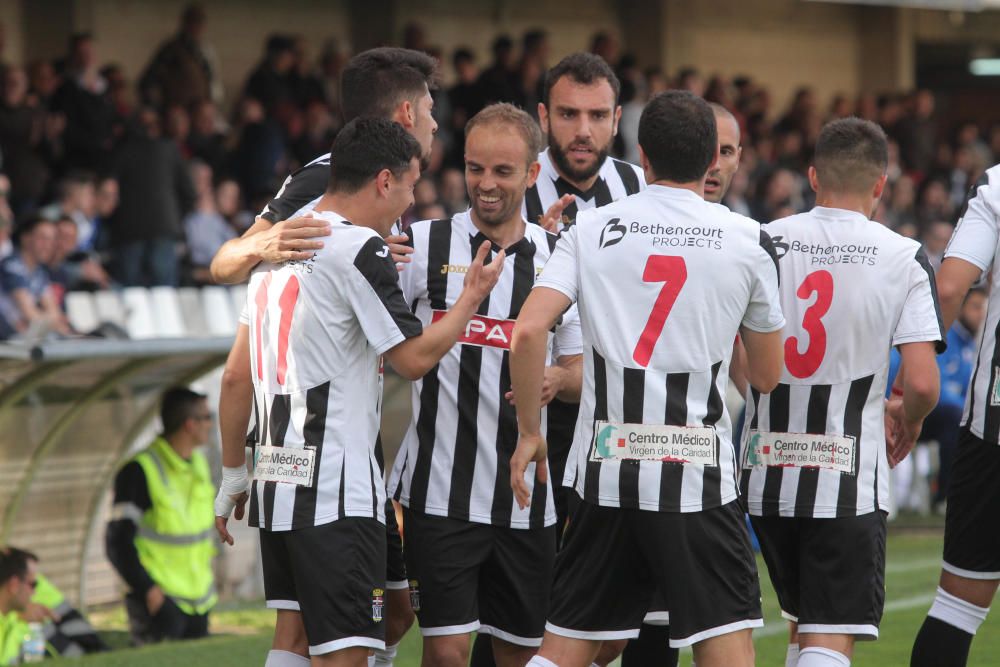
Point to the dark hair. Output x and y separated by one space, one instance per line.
583 68
678 135
850 155
462 55
501 44
374 82
533 39
514 118
177 406
366 146
14 563
31 224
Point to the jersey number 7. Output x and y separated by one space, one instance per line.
286 306
804 364
672 272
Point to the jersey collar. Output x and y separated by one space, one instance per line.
837 213
524 245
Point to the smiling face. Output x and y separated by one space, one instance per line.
580 121
721 175
499 167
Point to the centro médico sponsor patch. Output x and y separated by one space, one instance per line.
654 442
284 464
801 450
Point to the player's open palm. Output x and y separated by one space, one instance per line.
554 215
481 277
529 448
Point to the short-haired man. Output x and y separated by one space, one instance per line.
476 562
28 305
815 475
971 568
320 328
387 82
730 151
18 579
160 538
652 457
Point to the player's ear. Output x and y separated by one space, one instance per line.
543 117
617 117
405 114
879 186
533 170
383 180
813 178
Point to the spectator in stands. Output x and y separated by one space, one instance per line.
258 158
605 45
318 131
72 269
17 583
207 139
331 64
497 81
466 99
83 100
78 202
155 192
205 227
67 632
180 73
270 82
106 202
22 141
161 535
44 82
306 86
27 303
454 194
120 97
932 202
916 132
935 240
177 127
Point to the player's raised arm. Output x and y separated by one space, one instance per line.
295 239
415 356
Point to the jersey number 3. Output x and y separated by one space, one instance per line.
286 306
672 272
804 364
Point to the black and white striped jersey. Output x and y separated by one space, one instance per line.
317 330
977 240
615 180
300 191
663 281
455 457
851 289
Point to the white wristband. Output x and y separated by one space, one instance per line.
235 481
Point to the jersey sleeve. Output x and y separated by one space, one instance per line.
920 320
377 299
975 236
561 272
569 334
300 188
763 313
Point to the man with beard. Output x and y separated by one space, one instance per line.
389 83
477 562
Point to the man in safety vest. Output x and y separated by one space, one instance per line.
161 534
17 582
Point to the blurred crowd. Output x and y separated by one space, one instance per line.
107 182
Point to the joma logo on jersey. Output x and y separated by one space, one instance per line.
454 268
613 232
483 331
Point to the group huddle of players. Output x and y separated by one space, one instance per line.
571 483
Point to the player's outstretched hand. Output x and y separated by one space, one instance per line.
481 278
553 216
296 239
529 448
399 250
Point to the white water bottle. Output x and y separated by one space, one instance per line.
33 646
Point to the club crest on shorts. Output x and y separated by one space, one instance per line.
378 604
414 595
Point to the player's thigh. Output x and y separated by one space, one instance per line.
395 564
339 571
705 565
601 584
443 559
971 540
779 545
514 585
843 575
